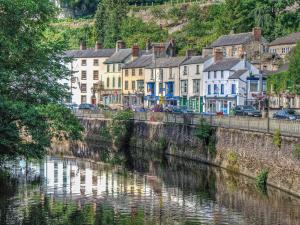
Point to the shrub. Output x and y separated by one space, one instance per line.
232 160
162 143
277 138
297 151
261 179
203 131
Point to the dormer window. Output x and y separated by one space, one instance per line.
185 70
197 69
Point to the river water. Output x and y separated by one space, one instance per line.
144 190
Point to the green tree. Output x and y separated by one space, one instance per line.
30 70
109 16
83 7
294 69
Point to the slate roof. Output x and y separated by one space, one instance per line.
196 59
142 61
119 56
225 64
237 74
90 53
232 39
166 62
289 39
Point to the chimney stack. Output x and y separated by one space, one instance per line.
218 56
98 45
82 45
257 32
120 45
135 51
148 45
189 53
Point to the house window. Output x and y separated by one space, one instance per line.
216 89
233 89
119 82
83 98
196 86
108 68
96 75
222 89
224 52
83 75
161 73
140 72
215 74
83 62
234 51
184 86
160 87
140 85
83 88
113 82
96 62
73 79
209 89
133 85
222 74
253 86
126 73
113 67
119 67
170 73
185 70
107 82
126 85
152 74
197 69
133 72
208 75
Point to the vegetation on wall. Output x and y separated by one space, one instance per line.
205 133
261 180
277 138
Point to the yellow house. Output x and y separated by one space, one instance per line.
133 74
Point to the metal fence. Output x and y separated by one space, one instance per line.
267 125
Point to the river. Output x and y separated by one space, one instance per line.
144 190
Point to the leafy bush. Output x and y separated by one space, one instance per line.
297 151
277 138
203 130
261 179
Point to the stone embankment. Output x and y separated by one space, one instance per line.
245 152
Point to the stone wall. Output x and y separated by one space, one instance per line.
241 151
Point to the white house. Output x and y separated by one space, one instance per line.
87 70
191 81
225 83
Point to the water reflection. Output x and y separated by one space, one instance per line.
157 191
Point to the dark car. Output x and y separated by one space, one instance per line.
287 114
246 110
87 106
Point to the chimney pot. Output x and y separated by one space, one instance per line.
98 45
218 56
135 51
82 45
189 53
120 45
257 33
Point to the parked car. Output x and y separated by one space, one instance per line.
287 114
87 106
246 110
179 109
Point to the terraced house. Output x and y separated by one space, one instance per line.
133 74
191 81
87 71
225 83
162 84
112 94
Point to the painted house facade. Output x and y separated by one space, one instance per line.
191 82
87 71
225 83
162 81
112 79
133 74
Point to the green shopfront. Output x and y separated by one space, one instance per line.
194 103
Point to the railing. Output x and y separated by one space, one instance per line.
266 125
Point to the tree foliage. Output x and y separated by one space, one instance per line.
109 17
30 69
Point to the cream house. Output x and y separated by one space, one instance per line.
191 81
87 71
112 79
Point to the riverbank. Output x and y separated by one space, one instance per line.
245 152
